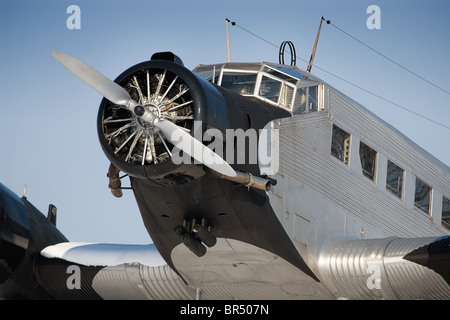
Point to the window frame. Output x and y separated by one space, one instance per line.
445 219
236 72
400 194
375 162
429 195
345 158
283 84
318 100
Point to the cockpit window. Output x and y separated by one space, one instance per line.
305 100
287 94
280 75
280 85
239 82
270 89
209 76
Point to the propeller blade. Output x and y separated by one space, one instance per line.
106 87
184 141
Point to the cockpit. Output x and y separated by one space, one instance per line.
281 85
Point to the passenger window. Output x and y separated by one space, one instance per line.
394 179
422 196
340 144
446 213
368 158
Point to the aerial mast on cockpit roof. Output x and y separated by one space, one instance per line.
228 41
315 45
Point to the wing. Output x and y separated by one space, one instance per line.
107 271
388 268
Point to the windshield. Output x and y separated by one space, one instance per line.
239 82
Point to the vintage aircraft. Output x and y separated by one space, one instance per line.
254 181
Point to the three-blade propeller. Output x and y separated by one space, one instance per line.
118 95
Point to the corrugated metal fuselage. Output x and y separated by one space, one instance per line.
322 202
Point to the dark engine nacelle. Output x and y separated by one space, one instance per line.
165 87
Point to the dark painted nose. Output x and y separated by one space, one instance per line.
14 219
14 232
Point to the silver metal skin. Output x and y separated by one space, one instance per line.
377 269
118 95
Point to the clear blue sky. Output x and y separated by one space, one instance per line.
48 136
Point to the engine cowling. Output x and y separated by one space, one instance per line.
172 92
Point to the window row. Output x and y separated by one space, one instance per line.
395 175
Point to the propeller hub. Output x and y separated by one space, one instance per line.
146 115
139 110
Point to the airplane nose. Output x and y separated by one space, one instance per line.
14 219
14 232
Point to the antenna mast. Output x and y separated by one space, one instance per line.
315 45
24 192
228 41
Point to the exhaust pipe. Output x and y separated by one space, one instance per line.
249 180
114 181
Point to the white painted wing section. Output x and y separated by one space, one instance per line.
104 254
139 282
